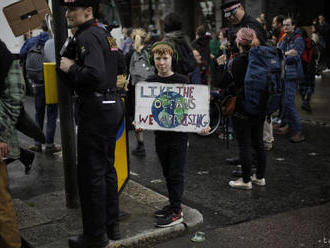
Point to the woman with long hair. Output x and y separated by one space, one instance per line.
140 70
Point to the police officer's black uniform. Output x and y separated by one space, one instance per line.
99 116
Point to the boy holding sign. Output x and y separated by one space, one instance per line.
171 147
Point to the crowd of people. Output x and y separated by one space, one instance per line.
146 55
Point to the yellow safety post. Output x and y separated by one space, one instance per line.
50 83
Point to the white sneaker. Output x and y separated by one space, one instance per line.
240 184
259 182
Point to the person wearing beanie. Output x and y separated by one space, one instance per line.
92 72
248 129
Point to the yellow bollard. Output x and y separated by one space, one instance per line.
50 83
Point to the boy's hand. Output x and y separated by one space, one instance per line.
137 129
205 131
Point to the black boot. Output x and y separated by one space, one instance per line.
114 232
26 158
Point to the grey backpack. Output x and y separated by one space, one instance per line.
140 68
34 63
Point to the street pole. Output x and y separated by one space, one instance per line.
66 112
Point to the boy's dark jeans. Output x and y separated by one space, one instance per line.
249 133
171 148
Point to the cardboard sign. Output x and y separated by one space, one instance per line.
172 107
26 15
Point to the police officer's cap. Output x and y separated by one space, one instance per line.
227 3
79 3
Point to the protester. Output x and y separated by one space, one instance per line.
127 42
323 29
237 17
40 103
201 44
92 72
140 70
196 75
277 28
185 62
248 128
292 46
12 93
171 147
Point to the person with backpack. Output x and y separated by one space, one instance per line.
309 61
248 127
237 17
34 58
139 69
186 62
293 47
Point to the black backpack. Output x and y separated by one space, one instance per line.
186 61
34 63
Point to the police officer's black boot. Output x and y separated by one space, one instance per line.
114 232
82 241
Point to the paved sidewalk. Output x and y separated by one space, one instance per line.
45 222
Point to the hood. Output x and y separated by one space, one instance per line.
175 37
43 37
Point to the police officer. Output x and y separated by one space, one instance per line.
237 17
92 70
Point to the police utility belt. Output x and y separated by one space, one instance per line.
104 93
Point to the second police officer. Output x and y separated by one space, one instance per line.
92 70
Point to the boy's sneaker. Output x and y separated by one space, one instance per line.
259 182
53 149
171 219
240 184
163 212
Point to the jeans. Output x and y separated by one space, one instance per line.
290 114
40 106
249 133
